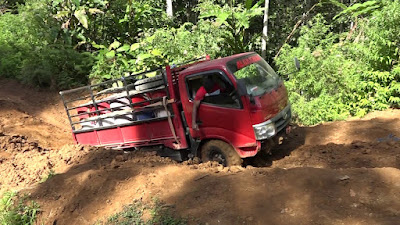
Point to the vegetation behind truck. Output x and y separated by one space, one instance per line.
154 108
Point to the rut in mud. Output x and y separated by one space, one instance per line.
344 172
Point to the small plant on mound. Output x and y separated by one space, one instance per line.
51 174
12 212
143 214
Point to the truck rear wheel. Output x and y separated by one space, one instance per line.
221 152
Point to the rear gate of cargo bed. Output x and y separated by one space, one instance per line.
128 112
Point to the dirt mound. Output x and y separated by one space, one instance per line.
24 162
343 172
38 115
355 155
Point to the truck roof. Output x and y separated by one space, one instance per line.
213 63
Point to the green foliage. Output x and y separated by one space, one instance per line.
12 212
379 42
189 41
165 46
134 214
31 53
343 76
317 89
120 60
358 9
234 19
55 66
103 21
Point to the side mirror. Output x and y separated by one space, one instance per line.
297 63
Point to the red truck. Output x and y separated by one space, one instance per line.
154 108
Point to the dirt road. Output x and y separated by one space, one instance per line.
336 173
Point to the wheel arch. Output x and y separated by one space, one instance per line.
208 139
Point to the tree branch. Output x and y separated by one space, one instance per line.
295 28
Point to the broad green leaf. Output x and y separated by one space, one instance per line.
98 46
360 8
77 3
110 54
156 52
114 45
135 46
124 61
95 11
56 2
81 37
124 48
152 74
258 4
80 43
222 17
123 20
143 56
82 18
248 4
61 14
366 11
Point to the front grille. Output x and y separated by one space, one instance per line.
282 119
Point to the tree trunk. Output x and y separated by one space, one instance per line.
265 31
169 9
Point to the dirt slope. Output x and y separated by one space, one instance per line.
337 173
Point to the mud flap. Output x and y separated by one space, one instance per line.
194 146
194 143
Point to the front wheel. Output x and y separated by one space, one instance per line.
221 152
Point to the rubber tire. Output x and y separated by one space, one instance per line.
231 156
148 83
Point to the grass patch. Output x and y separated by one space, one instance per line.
14 210
144 214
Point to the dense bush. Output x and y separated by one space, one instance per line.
165 46
34 52
345 74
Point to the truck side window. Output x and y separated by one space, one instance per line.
225 97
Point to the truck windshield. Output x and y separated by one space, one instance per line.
256 74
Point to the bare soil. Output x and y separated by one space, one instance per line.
343 172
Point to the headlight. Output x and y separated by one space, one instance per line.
264 130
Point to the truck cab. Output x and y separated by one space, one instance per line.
252 109
249 110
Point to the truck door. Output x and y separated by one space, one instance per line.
220 115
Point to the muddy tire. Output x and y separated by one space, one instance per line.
221 152
148 83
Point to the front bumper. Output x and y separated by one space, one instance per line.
265 146
272 127
281 122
